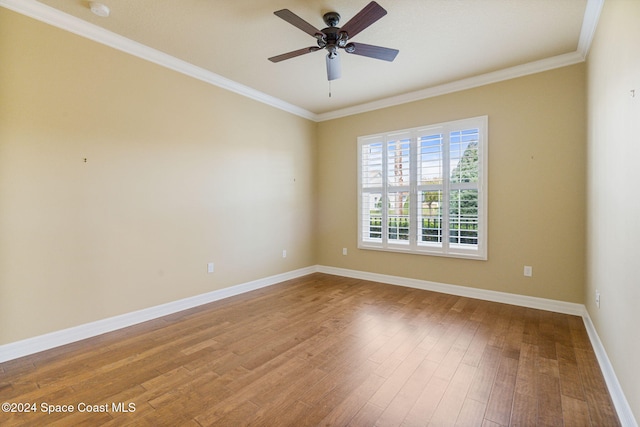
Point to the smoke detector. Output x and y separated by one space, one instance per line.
99 9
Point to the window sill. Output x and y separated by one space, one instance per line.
471 255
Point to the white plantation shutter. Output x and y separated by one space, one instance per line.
398 151
371 190
430 186
423 190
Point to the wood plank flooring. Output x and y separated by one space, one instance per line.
323 350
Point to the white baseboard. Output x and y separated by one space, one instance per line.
463 291
615 390
66 336
77 333
617 395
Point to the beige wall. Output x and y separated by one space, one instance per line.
178 173
613 202
536 186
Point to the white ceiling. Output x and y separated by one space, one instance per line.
444 45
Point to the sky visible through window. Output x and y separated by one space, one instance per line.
431 156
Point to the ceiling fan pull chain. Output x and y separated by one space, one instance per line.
329 88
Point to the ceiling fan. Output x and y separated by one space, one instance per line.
334 38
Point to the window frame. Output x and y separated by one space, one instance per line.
445 247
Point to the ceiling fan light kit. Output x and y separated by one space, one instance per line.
333 38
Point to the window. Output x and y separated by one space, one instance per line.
424 190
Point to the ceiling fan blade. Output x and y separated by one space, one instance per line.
334 71
377 52
293 54
296 21
367 16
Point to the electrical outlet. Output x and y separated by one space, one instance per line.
344 251
597 298
284 253
528 271
210 267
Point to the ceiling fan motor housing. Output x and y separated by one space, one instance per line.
332 38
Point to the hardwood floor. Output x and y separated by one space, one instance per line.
323 350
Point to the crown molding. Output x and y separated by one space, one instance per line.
56 18
589 25
52 16
587 32
459 85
